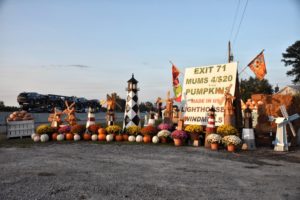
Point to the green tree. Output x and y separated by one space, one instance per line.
292 58
254 86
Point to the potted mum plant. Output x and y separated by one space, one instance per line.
163 135
65 130
179 136
225 130
164 126
194 131
148 132
112 131
132 131
77 130
214 140
231 141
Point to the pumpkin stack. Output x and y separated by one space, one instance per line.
19 116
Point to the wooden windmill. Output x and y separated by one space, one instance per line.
168 113
70 112
281 142
111 106
55 118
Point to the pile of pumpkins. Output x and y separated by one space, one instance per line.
19 116
101 135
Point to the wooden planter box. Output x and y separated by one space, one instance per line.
20 128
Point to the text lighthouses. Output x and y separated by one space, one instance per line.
132 113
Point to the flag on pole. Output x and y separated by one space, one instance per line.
176 86
258 66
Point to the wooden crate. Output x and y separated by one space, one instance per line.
20 128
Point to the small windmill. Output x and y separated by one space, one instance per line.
281 142
70 111
111 106
55 118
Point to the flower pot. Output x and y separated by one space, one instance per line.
196 143
214 146
163 140
177 142
125 137
230 148
119 138
102 137
147 139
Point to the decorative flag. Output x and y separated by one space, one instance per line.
258 66
176 86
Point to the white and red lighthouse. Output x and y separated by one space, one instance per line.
91 118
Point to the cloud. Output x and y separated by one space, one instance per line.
74 66
79 66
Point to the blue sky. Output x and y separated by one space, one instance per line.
91 48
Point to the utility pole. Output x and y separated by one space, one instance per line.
237 94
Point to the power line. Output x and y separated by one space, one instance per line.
236 34
234 19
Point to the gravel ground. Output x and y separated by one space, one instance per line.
88 170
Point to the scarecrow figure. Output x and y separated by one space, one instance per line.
229 117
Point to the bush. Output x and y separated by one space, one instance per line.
225 130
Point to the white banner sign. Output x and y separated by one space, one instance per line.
205 86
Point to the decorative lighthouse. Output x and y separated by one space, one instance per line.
210 127
91 118
132 112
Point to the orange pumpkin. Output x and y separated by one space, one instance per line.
86 136
54 136
102 131
147 139
119 138
69 136
125 137
102 137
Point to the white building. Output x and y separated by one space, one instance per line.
290 90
